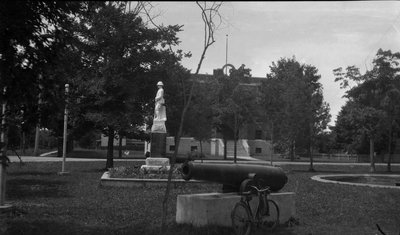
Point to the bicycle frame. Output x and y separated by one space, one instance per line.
244 219
262 206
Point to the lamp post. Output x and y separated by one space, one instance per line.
63 172
4 159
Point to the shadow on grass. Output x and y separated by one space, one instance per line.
95 170
33 188
30 173
50 227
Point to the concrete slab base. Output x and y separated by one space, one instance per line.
215 208
156 164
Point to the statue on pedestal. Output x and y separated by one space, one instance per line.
160 115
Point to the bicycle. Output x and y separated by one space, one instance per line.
266 216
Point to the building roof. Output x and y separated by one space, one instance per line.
249 81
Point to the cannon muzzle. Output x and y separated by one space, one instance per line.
234 174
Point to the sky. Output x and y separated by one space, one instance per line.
326 35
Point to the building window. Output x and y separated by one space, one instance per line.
172 148
193 148
258 134
258 150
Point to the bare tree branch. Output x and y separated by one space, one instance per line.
143 8
208 17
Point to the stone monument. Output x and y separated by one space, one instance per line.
160 115
158 130
157 158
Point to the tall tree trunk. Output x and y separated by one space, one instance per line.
37 136
120 146
389 167
209 40
201 150
272 141
371 154
309 153
110 148
23 142
235 137
225 148
173 160
235 150
309 149
291 150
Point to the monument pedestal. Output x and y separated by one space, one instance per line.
158 139
158 144
156 165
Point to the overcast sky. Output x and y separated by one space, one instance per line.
326 35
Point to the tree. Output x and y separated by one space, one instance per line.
287 73
361 121
200 117
121 56
209 16
387 68
317 111
32 32
293 102
376 93
238 103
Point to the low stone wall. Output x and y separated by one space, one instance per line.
215 208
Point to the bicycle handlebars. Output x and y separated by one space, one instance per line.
266 189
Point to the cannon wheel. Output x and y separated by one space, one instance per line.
241 219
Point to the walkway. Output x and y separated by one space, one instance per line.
248 160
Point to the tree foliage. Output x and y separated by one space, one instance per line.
294 104
373 105
32 32
122 61
237 105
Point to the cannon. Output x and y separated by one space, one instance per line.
235 177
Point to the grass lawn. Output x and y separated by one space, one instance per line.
75 204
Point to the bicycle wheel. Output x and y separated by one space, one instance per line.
270 221
241 219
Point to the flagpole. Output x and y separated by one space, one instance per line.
226 54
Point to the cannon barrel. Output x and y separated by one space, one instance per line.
234 174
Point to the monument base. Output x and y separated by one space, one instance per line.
158 145
215 208
156 165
